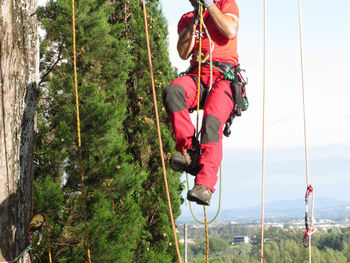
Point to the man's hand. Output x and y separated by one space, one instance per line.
196 18
207 3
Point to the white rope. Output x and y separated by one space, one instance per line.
303 94
305 133
211 49
18 257
263 142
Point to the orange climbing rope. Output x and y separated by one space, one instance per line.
159 133
79 137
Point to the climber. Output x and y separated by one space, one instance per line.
203 160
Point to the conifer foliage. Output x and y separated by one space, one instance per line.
126 201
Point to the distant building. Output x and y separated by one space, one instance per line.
240 239
189 241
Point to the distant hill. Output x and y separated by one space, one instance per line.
325 208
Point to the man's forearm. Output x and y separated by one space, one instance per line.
186 41
226 24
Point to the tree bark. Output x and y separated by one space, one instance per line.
19 70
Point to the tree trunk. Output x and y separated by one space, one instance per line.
19 70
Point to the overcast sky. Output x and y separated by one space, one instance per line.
326 31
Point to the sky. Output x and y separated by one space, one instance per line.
326 42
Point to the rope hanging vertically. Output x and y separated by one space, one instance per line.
198 105
79 137
48 237
263 143
206 234
199 67
309 230
159 133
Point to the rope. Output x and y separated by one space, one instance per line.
48 237
211 49
263 143
303 95
19 256
198 104
32 210
199 66
79 137
159 133
308 185
206 233
46 224
219 208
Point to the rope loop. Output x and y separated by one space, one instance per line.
219 206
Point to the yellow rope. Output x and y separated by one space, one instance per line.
48 237
206 233
198 104
79 137
159 134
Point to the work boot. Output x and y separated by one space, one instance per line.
200 194
188 161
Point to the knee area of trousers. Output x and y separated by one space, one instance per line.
174 98
210 129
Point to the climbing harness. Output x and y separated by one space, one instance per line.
159 133
238 87
238 81
79 137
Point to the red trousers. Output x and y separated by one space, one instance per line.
180 96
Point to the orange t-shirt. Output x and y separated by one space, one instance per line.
225 50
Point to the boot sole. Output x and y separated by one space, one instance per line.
197 200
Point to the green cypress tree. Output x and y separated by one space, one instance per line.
141 130
126 201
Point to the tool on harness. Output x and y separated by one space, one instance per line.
188 161
36 224
238 87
